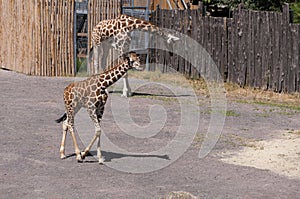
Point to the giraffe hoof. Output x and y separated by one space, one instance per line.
82 155
79 158
63 157
126 95
101 160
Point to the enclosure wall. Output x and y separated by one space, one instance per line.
254 48
37 36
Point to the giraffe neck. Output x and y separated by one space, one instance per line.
111 76
131 23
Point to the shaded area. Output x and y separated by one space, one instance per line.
109 156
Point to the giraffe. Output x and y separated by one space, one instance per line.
91 94
119 29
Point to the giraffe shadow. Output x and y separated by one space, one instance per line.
151 94
109 156
159 95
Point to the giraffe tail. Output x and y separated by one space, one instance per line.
63 118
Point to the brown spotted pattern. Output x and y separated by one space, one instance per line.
92 94
119 28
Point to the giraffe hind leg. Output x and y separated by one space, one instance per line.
77 151
69 123
99 155
63 141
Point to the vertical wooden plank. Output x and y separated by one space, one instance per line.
267 50
21 29
232 46
10 36
218 44
44 44
90 28
57 31
264 35
195 35
16 42
28 36
257 51
271 47
1 34
278 39
68 37
5 28
47 42
24 66
31 37
229 49
44 38
63 41
38 37
289 68
72 41
62 36
27 41
242 31
283 49
297 61
223 51
52 39
294 59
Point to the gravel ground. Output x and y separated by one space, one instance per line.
30 139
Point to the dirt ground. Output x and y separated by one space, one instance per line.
256 156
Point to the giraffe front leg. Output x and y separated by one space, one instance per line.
126 89
88 148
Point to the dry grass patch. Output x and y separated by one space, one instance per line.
233 91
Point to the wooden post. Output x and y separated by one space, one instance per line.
200 8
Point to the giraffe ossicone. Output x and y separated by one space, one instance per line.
92 94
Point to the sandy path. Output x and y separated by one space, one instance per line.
280 155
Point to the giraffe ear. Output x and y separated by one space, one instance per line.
127 58
124 56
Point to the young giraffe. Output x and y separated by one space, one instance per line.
91 94
119 29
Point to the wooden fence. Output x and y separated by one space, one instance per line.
37 36
98 11
257 49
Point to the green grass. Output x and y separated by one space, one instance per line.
231 113
271 104
227 113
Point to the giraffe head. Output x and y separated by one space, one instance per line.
169 41
134 61
171 38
